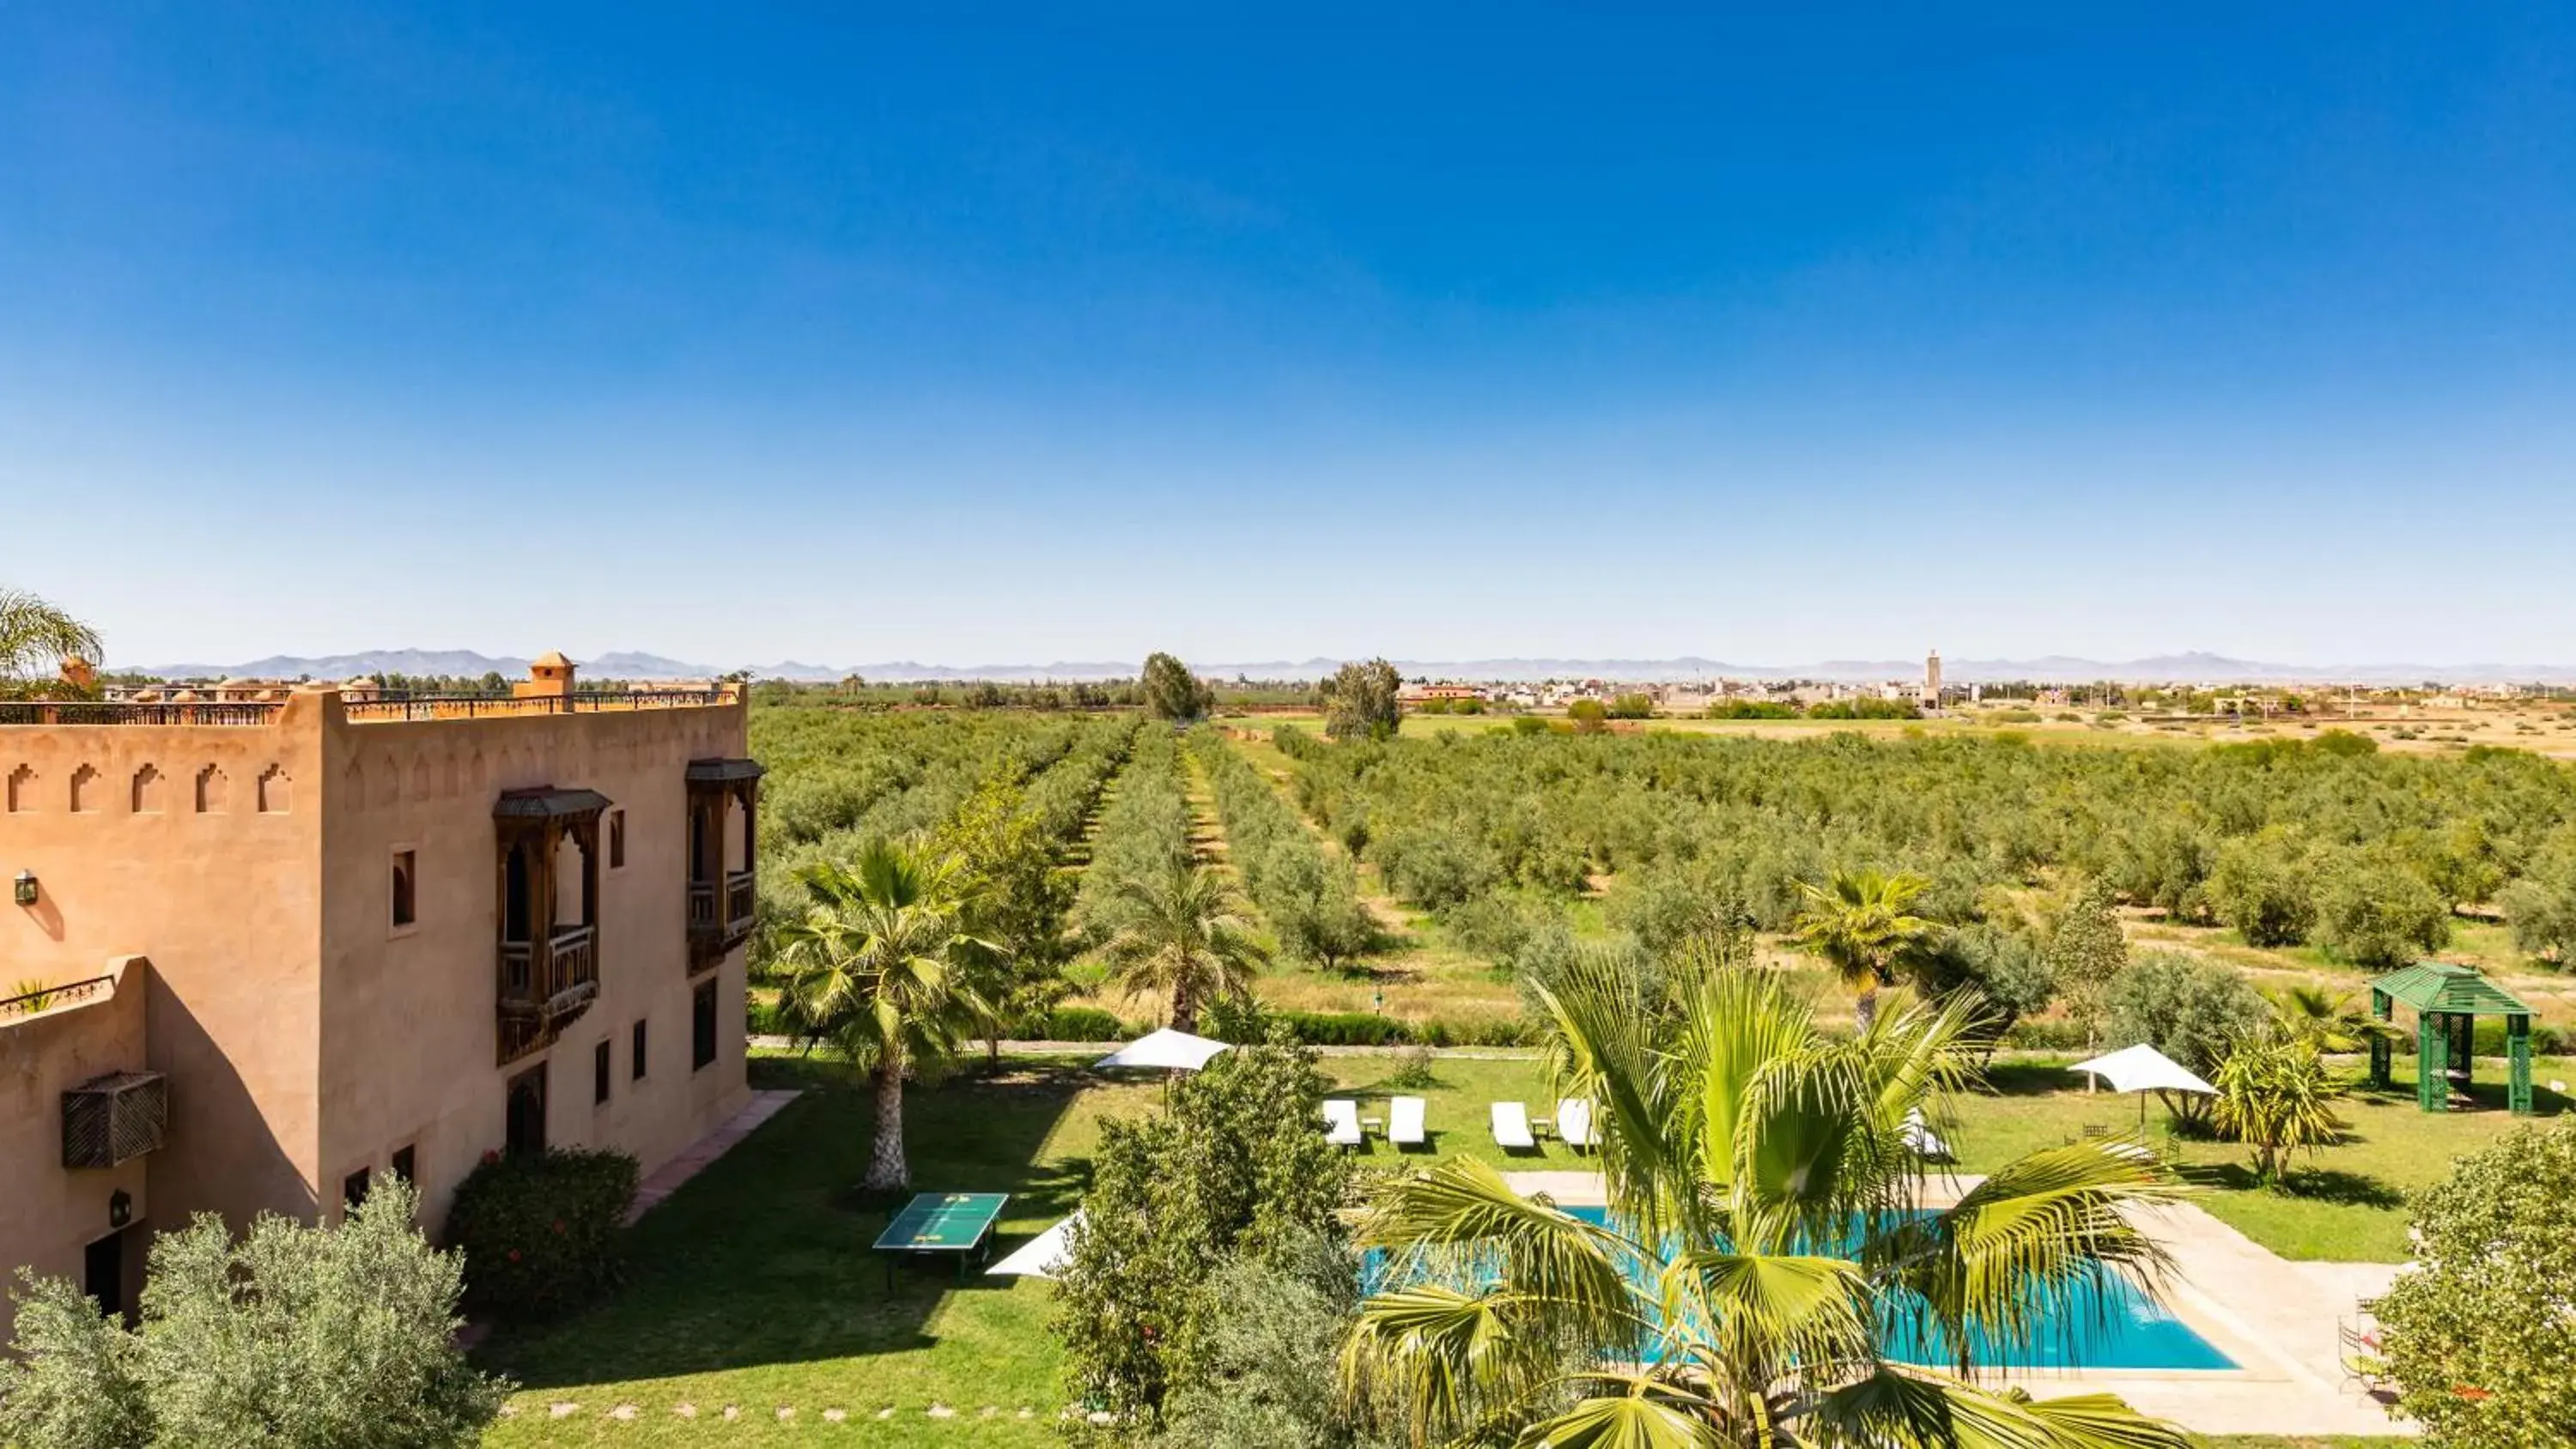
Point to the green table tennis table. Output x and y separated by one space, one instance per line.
942 1222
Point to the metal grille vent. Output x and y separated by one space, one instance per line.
111 1119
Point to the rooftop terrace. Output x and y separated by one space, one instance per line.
255 702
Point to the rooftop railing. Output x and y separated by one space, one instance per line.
365 709
485 706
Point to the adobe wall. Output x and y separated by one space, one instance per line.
407 1013
201 846
50 1214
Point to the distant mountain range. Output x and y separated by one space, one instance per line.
2190 668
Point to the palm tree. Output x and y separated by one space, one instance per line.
2276 1096
1738 1136
1859 923
1184 932
875 963
35 635
2327 1019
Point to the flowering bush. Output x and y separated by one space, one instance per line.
540 1231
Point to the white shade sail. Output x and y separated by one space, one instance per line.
2142 1068
1043 1256
1169 1049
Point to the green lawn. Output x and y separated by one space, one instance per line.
753 1286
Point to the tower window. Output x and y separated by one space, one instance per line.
406 888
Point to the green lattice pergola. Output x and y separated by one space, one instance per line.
2448 1001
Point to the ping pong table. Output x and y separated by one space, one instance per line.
942 1222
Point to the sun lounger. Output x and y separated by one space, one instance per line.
1920 1137
1342 1122
1404 1122
1574 1123
1511 1126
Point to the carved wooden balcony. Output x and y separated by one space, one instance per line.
115 1118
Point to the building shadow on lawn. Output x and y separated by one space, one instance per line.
764 1257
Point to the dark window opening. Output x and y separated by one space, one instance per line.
353 1189
406 889
702 1026
403 1164
524 1120
599 1074
616 840
698 870
638 1051
515 896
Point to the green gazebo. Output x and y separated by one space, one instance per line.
2448 1001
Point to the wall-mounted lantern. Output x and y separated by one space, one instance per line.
120 1208
23 890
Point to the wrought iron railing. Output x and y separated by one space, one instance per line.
46 998
136 712
485 706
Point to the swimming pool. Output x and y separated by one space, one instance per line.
2112 1326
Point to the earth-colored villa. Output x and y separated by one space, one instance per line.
268 946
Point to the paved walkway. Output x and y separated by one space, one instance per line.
666 1179
2275 1318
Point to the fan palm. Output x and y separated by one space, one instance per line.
1182 932
1858 923
1767 1234
35 635
876 972
2329 1020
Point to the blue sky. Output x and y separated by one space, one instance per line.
1022 333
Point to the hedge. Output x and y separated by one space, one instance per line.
541 1231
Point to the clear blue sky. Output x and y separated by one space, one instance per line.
1022 333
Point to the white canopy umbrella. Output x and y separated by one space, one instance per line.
1174 1050
1043 1256
2142 1068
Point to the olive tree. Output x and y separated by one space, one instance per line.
1360 703
336 1337
2477 1339
1172 692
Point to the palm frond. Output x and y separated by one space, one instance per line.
1895 1407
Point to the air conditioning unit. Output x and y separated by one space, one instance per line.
114 1118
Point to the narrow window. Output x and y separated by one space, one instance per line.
353 1189
638 1051
404 1162
406 888
599 1075
523 1123
702 1026
616 840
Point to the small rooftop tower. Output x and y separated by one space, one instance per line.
550 676
1932 677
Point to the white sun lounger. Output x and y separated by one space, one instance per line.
1511 1126
1574 1123
1404 1122
1342 1122
1920 1137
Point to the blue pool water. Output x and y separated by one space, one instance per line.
2114 1326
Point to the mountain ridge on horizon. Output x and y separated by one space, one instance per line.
2190 666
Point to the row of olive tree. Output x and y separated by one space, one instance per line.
1310 899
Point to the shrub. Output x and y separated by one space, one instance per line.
1415 1069
1081 1023
1589 716
541 1231
2014 716
1632 706
323 1336
2379 914
1755 709
1339 1028
2260 885
1264 1378
1234 1170
2485 1309
2189 1008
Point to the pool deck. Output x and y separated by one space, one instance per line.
2275 1318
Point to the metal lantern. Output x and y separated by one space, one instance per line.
24 888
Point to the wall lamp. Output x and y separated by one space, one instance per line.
23 889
